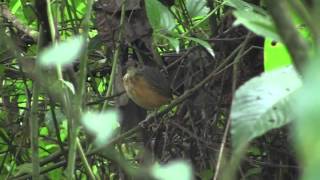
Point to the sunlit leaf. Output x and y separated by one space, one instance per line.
262 104
174 42
275 54
14 6
44 131
172 171
62 53
101 124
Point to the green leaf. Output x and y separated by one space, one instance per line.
159 16
64 130
203 43
240 4
174 42
172 171
307 125
101 124
14 6
262 104
44 131
260 24
62 53
55 174
27 11
254 18
275 54
197 7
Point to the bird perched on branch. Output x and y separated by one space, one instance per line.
146 86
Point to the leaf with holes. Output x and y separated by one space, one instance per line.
262 104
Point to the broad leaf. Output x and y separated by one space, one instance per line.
262 104
62 53
275 55
172 171
260 24
254 18
159 16
101 124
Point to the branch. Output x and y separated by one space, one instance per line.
5 12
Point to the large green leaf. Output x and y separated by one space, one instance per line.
260 24
159 16
275 55
254 18
262 104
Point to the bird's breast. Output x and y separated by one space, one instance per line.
142 93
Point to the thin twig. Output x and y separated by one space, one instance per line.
234 84
84 160
116 54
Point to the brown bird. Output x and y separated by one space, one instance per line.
147 86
